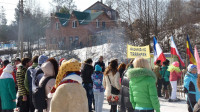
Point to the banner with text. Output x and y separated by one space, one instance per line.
134 51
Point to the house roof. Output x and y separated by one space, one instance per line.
100 3
86 18
63 18
82 17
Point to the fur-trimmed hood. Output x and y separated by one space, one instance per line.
140 72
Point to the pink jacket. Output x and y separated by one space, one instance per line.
174 76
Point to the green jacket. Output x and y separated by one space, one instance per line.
165 73
142 88
7 93
21 71
28 78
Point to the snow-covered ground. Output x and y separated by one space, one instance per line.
165 106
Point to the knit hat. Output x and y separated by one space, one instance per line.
176 64
191 67
98 68
42 59
71 65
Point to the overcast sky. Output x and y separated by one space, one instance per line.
10 5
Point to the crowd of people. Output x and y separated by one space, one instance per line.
42 84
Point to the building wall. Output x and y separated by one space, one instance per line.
84 32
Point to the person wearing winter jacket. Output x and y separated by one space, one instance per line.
23 99
190 87
121 69
98 89
39 73
175 74
50 68
7 90
100 63
28 81
5 63
125 104
142 87
68 92
165 77
86 73
159 82
112 78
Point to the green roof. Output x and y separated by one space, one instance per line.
63 18
83 17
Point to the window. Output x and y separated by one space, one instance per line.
76 38
76 41
104 24
57 25
74 24
71 40
97 23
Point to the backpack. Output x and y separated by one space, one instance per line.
39 95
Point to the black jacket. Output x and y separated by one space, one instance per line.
121 71
86 73
125 100
101 64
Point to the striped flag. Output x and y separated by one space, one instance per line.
190 52
174 51
158 53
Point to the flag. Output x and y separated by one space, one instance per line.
174 51
158 54
190 52
196 55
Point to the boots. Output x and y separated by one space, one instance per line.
166 94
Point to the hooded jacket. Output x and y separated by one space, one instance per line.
142 89
190 86
7 89
48 70
70 97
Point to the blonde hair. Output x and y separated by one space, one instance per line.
140 62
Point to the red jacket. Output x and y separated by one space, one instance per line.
174 76
1 70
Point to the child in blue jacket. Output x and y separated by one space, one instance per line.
98 89
190 87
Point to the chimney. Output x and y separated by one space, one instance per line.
101 1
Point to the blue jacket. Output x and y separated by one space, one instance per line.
190 86
97 79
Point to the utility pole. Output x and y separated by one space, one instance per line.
20 31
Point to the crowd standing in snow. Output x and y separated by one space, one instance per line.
41 84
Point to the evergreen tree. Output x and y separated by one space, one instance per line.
3 20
